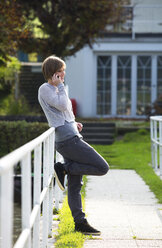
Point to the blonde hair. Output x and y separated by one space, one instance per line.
51 65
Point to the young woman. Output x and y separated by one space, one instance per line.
80 158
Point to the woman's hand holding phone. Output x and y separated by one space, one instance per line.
56 79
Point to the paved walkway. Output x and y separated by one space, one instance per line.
122 207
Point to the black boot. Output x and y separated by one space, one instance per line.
85 228
60 175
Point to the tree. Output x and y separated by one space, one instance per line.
12 26
67 25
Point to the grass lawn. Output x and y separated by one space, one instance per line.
67 237
132 152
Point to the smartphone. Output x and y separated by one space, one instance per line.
56 76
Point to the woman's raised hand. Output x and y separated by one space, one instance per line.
56 79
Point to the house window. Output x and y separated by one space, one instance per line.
104 85
124 85
143 84
127 85
159 77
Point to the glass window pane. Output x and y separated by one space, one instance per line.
148 73
143 84
104 85
100 73
107 73
124 85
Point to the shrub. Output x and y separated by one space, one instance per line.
7 73
141 135
142 132
157 106
11 106
16 133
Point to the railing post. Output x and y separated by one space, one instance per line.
45 184
160 147
155 144
6 209
26 195
37 191
51 172
152 143
58 192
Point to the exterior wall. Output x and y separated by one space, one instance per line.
81 74
81 81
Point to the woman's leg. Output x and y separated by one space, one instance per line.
82 158
74 197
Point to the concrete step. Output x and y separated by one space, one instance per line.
99 141
99 132
29 84
98 135
98 129
29 76
98 124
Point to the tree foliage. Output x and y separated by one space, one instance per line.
8 72
12 28
67 25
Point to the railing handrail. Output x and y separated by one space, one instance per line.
142 5
12 158
135 17
156 143
43 151
156 118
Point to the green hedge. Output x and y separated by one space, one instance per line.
16 133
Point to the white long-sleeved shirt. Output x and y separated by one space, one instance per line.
55 104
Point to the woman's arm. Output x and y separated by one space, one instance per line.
57 99
79 126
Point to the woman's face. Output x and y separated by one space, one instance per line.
61 73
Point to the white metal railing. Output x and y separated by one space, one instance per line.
146 19
156 143
43 148
139 18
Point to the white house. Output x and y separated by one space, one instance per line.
121 76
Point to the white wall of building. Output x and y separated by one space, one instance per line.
81 72
81 81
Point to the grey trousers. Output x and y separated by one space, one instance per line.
80 159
